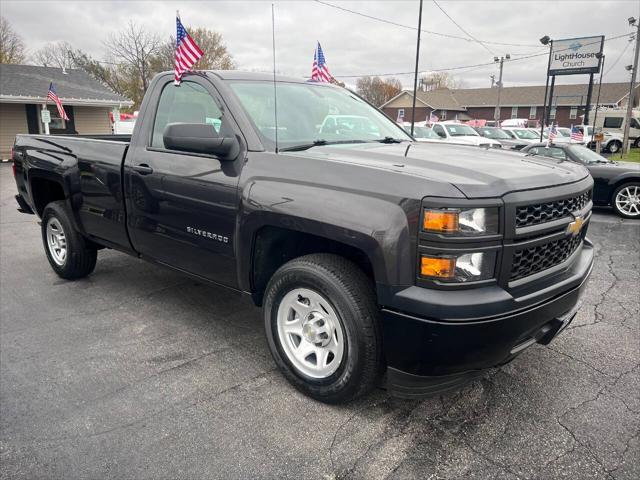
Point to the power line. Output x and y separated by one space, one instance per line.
462 29
618 59
430 32
462 67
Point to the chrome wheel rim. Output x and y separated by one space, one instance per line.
310 333
628 200
56 241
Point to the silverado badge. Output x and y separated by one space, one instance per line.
574 227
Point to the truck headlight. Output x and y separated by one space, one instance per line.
466 267
456 221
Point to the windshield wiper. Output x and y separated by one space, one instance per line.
316 143
390 140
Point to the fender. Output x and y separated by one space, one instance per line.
380 227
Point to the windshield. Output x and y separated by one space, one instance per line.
564 132
456 130
309 113
422 132
526 134
587 156
494 133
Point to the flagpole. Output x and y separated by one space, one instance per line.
415 78
275 90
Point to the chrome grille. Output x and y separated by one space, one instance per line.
545 212
528 261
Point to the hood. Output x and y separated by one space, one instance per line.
476 172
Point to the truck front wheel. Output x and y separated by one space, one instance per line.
71 256
323 327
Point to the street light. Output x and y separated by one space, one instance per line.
545 40
632 21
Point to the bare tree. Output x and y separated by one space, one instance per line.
215 57
12 49
134 48
435 80
57 54
377 90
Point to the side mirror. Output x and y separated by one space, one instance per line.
199 138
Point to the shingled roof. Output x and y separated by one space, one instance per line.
30 83
564 95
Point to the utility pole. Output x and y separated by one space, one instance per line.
496 114
625 142
415 78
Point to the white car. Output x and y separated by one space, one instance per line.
461 134
422 133
527 135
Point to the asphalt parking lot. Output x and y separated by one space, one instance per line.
138 372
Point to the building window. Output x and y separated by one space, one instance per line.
514 112
443 115
401 113
532 112
57 122
573 113
552 113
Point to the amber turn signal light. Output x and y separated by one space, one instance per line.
440 221
438 267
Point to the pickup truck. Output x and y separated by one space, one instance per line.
377 260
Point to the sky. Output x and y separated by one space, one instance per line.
354 44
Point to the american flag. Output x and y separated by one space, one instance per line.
433 118
553 132
52 95
576 134
319 70
187 52
400 118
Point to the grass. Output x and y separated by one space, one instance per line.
632 156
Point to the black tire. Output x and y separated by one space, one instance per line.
614 147
636 143
351 294
81 254
615 194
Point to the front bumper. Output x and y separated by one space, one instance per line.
429 354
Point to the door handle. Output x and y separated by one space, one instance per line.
143 169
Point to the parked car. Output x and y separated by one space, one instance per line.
422 133
372 258
526 135
612 142
461 134
515 122
616 184
613 121
501 136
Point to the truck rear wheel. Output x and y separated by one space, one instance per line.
323 328
71 256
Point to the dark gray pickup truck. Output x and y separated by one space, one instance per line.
376 259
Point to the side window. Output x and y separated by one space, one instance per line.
187 103
612 122
533 151
557 153
439 130
634 123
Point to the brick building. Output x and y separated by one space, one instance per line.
516 102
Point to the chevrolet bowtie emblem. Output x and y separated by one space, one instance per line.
574 227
